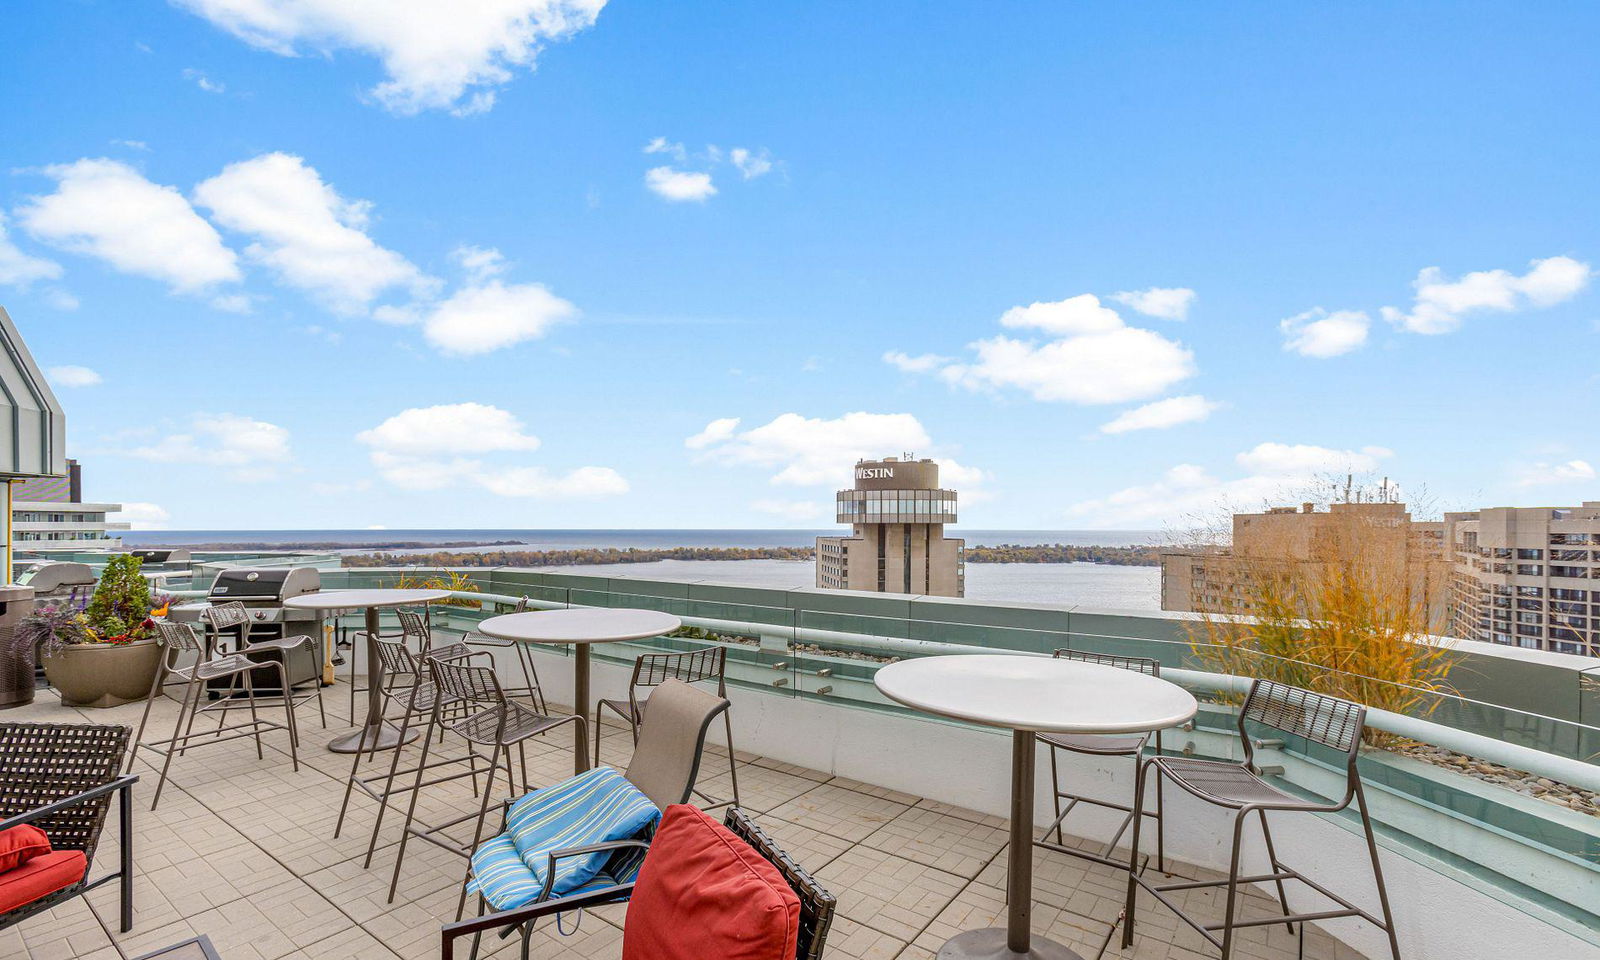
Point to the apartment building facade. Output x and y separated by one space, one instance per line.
1527 576
897 513
1216 579
48 513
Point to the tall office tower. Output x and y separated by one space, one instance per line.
1528 576
1216 579
897 515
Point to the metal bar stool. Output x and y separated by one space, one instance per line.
234 615
530 674
415 701
702 664
1100 745
414 632
1316 718
180 640
499 723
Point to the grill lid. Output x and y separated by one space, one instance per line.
274 583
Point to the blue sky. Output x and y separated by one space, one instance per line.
524 268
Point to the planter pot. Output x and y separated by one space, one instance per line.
102 675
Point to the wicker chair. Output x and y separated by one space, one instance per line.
1315 718
60 777
816 903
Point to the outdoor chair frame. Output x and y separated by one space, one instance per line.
179 640
650 670
664 768
60 777
1101 745
234 615
499 723
1316 718
530 673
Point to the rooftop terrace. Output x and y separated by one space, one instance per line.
902 816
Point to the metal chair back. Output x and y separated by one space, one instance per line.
395 656
226 616
179 637
463 681
522 606
671 742
1317 717
414 625
1146 665
816 903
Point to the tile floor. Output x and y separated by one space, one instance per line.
242 850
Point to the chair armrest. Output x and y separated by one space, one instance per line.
479 640
528 913
39 813
554 855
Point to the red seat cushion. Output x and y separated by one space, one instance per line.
704 893
41 876
21 844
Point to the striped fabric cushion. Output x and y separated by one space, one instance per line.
593 807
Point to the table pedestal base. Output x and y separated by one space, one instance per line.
358 741
990 944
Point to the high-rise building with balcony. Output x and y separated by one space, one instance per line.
1527 576
897 514
48 513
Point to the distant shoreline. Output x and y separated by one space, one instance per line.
1004 553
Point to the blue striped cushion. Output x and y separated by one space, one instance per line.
593 807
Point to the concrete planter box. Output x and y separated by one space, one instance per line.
104 675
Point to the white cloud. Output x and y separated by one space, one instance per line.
668 147
922 363
1168 303
106 209
750 164
1112 367
1095 359
1074 315
139 145
454 428
313 238
479 263
679 186
60 299
143 516
715 432
1163 414
437 53
1441 304
795 511
487 317
1272 471
199 79
18 269
811 450
437 448
254 450
1541 474
1318 333
969 482
69 375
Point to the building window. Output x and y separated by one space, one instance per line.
1530 569
1527 554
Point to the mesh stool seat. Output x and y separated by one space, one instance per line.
1229 784
512 721
1316 718
1101 745
234 615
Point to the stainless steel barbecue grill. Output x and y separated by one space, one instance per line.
262 590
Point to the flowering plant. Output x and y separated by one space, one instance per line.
52 627
122 611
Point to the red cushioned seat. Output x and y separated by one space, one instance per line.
704 893
39 877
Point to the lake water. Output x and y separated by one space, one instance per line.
1087 584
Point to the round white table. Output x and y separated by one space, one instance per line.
580 627
373 734
1029 695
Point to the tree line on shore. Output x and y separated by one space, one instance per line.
1002 553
